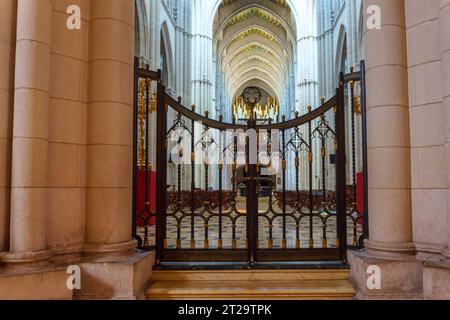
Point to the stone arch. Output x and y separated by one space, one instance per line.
290 32
286 29
278 41
292 5
255 81
360 32
238 51
275 65
167 57
142 37
257 72
341 52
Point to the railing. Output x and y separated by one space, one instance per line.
358 211
233 209
144 215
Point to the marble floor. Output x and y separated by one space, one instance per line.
263 231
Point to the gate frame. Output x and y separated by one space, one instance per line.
252 252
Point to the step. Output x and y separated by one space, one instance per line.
252 275
251 285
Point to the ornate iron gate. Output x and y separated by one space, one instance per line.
254 192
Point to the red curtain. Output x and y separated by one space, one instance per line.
360 196
140 197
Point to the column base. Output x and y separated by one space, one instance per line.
71 254
122 279
109 252
49 283
401 275
388 249
26 261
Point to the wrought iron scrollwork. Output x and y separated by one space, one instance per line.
206 211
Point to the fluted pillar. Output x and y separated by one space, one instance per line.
203 80
388 131
444 22
30 134
110 121
155 33
8 13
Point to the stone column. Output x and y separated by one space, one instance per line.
30 134
444 22
202 81
8 13
110 121
155 32
388 131
179 52
390 245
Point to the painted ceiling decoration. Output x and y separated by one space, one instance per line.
253 12
254 48
251 57
255 30
254 45
281 3
257 60
278 63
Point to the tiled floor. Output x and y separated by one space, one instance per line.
263 230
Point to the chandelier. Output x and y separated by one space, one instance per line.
243 111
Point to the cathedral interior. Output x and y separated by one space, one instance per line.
224 149
293 53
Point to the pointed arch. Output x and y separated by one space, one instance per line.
142 37
167 63
360 32
291 3
341 52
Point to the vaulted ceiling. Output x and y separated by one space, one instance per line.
255 43
282 3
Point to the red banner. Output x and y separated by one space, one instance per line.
360 196
140 200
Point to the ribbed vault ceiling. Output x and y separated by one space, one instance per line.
254 44
282 3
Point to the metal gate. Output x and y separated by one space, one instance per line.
253 193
